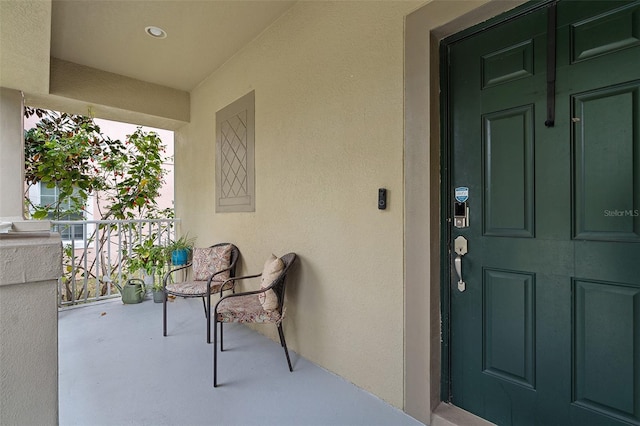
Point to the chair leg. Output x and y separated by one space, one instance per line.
164 316
221 334
284 345
204 305
207 311
215 353
280 334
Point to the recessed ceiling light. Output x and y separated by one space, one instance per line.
156 32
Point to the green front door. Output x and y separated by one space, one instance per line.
547 328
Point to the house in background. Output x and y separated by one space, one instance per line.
290 116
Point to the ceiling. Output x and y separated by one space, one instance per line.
104 60
201 35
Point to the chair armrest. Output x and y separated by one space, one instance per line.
168 274
244 293
219 272
234 279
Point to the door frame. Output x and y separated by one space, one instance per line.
446 195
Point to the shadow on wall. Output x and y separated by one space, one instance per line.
303 295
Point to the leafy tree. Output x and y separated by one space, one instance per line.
70 153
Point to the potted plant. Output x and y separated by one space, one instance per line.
180 249
149 259
158 293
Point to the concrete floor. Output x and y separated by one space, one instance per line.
116 368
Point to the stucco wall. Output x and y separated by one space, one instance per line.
12 154
328 81
29 329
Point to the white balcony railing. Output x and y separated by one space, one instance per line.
96 252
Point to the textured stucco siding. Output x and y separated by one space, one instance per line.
328 81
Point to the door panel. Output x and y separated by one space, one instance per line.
508 64
508 191
548 328
600 308
605 32
605 153
508 322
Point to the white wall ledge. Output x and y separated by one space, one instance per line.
10 225
27 257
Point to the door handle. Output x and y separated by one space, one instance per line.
460 247
458 263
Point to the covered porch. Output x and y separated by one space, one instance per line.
346 103
116 368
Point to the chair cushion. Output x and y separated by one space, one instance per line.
272 268
207 261
194 288
245 309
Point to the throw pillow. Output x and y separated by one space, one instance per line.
207 261
272 268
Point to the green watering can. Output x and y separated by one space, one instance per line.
132 291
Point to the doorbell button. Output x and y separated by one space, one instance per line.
382 198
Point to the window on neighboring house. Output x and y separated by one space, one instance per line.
43 196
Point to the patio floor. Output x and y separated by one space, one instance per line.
116 368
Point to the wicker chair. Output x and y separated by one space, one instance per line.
210 271
260 306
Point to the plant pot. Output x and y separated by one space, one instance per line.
179 257
132 292
158 296
148 279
